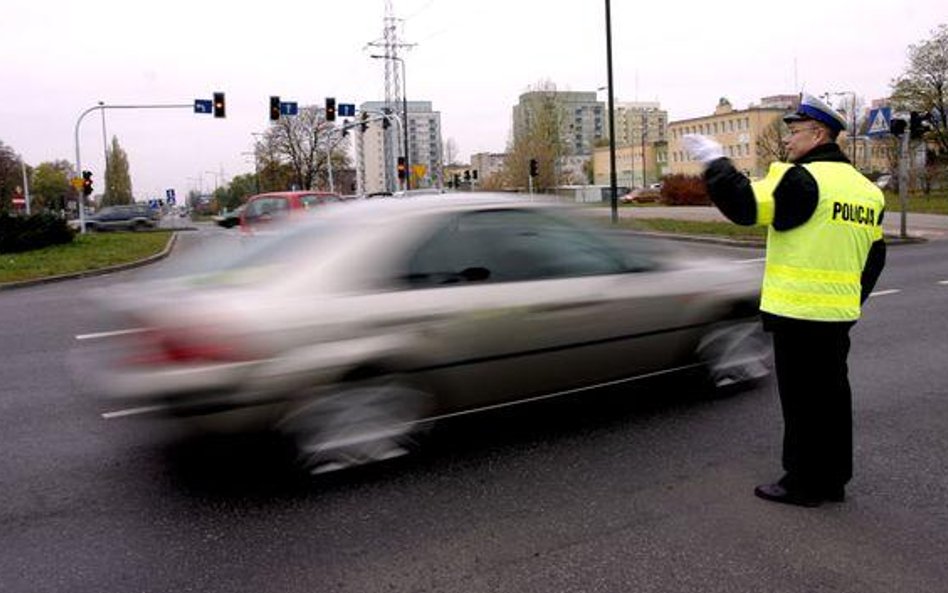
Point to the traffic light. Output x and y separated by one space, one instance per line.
919 123
87 183
897 126
402 170
219 108
274 108
467 175
364 126
534 168
330 109
457 180
474 174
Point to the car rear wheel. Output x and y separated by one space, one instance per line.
357 423
736 354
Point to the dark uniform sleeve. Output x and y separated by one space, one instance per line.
873 268
795 197
731 192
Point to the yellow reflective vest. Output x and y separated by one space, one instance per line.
814 271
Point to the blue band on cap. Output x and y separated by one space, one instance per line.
820 116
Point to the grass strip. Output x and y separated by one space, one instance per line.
933 203
90 251
727 230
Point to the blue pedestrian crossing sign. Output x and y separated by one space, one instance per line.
289 108
202 106
879 121
346 110
169 197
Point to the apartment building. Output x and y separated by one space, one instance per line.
488 164
377 149
581 117
636 121
742 133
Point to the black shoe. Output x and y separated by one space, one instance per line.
837 494
777 493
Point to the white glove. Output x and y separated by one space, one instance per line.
702 148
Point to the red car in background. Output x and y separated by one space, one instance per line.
262 209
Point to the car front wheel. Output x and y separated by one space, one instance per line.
356 423
736 354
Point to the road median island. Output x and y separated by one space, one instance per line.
88 255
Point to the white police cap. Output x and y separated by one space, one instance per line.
813 108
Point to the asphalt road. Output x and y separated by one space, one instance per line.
637 490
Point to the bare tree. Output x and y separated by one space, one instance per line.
923 87
539 139
300 146
770 147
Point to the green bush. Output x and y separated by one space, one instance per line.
684 190
26 233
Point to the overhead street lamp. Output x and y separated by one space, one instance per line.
404 116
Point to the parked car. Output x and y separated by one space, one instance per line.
351 329
641 196
130 217
262 209
229 218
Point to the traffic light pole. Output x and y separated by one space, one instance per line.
101 106
904 181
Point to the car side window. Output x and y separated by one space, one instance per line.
509 245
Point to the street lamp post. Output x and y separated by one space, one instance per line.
852 108
612 126
404 116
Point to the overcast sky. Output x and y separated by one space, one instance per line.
472 60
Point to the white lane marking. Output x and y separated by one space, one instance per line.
751 261
131 412
945 282
120 332
885 292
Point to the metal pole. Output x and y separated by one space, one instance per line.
405 126
612 126
105 150
903 182
854 128
644 177
82 215
26 187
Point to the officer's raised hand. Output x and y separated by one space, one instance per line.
702 148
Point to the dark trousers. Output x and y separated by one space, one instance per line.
813 380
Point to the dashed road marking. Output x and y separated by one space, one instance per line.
885 292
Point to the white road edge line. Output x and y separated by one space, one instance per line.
945 282
885 292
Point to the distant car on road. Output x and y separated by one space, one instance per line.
129 217
641 196
231 218
262 209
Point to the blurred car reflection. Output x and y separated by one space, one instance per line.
356 327
263 209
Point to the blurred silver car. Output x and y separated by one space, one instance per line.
355 328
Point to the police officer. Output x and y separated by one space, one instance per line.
825 251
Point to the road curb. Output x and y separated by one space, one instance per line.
97 272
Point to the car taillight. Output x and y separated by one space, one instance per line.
155 347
